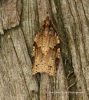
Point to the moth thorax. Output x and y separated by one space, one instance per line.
46 33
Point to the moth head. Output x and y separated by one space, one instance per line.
47 22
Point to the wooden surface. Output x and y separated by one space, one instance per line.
19 23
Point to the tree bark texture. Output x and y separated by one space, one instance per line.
20 21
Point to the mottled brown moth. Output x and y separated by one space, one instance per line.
46 51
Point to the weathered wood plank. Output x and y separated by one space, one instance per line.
15 64
10 12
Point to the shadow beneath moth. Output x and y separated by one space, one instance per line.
46 50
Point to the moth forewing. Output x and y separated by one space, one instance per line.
46 50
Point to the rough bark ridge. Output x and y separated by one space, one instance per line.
71 20
10 14
75 17
16 80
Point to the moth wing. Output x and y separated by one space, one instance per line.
38 39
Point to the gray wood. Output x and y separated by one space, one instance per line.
19 23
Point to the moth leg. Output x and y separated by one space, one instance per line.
34 51
57 47
57 63
33 59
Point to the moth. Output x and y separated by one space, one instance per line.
46 50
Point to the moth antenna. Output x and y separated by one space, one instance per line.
47 18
